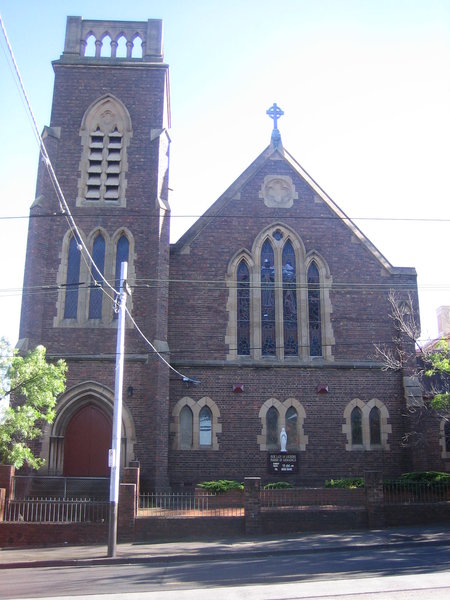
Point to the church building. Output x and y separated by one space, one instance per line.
267 309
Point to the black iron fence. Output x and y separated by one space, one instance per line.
412 492
168 504
56 510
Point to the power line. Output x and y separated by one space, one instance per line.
65 210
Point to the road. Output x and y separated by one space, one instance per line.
411 571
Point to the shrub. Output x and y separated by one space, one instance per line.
278 485
349 483
426 477
220 486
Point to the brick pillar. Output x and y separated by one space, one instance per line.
373 483
127 512
131 474
6 480
252 505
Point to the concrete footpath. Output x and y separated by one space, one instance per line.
307 543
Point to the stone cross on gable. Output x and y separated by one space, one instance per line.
274 113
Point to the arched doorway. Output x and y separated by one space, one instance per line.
87 440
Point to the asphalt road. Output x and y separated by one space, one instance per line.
416 571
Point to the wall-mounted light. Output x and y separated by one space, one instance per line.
322 388
238 388
130 391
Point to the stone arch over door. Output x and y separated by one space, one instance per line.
87 439
81 432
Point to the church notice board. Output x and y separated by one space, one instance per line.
283 463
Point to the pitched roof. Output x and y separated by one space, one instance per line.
268 154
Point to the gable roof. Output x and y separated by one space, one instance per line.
277 152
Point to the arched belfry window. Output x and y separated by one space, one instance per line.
268 339
73 280
105 134
314 311
289 301
243 308
97 273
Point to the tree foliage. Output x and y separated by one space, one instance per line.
34 384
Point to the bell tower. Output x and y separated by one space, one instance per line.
109 146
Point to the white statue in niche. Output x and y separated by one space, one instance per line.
283 439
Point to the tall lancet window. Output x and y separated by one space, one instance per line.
72 280
96 294
268 339
243 309
123 247
289 301
314 311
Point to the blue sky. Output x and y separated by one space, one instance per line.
364 84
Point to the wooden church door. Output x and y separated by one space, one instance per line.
86 443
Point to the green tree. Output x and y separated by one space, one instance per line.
438 364
34 384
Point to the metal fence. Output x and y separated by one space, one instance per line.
168 505
410 492
56 510
39 486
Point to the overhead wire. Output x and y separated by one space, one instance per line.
62 201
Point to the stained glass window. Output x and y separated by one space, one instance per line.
291 427
356 421
121 256
72 281
243 308
205 427
186 427
314 311
96 292
268 339
272 427
289 301
375 426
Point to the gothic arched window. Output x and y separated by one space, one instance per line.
356 423
96 293
272 427
375 426
289 301
314 311
72 280
123 248
291 427
243 308
268 339
205 426
186 427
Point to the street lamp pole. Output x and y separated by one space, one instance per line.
114 453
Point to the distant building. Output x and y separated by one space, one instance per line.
272 301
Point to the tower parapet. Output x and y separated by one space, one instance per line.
142 40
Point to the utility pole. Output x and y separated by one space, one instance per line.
114 453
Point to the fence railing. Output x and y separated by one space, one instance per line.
168 505
56 510
38 486
410 492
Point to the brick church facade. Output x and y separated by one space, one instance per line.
269 305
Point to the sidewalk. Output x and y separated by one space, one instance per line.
233 547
